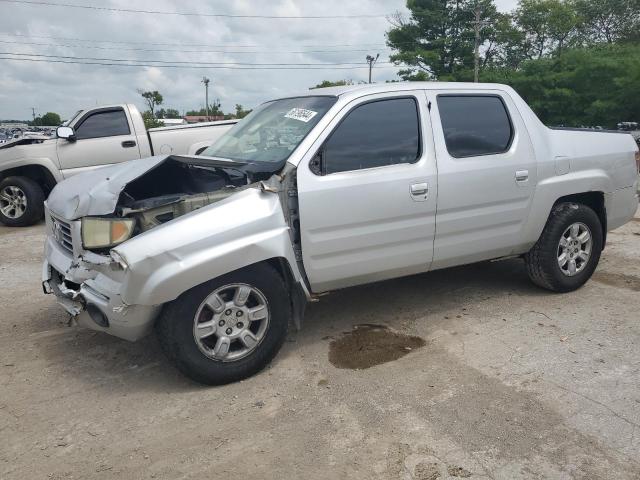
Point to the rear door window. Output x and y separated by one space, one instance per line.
475 125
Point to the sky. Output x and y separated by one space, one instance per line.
31 28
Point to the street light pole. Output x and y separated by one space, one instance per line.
371 60
205 80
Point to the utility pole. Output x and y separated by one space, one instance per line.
477 26
371 60
33 113
205 80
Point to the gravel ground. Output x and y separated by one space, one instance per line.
465 373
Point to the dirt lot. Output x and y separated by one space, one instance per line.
503 381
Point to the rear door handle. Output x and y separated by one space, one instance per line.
522 176
420 191
128 143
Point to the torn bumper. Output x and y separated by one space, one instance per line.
92 297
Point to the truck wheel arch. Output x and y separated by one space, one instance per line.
297 295
38 173
593 200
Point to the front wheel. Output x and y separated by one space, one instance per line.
21 202
568 251
229 328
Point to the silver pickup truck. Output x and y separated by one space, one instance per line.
337 187
31 165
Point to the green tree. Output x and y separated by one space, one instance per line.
150 120
329 83
583 87
609 20
49 119
549 26
214 110
153 99
437 41
241 112
168 113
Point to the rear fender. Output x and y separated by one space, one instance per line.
548 192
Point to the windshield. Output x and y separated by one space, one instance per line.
272 131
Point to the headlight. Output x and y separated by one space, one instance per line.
105 232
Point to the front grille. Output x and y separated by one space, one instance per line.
62 233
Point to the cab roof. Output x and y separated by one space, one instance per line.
368 89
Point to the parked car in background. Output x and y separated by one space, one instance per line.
338 187
30 166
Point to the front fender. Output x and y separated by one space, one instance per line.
245 228
14 158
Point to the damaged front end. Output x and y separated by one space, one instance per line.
88 285
191 219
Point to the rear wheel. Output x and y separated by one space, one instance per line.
21 202
568 251
228 328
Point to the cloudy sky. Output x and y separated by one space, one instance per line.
46 31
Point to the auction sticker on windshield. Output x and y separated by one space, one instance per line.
301 114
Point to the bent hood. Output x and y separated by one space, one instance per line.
97 192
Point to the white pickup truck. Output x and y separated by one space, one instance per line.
31 166
312 193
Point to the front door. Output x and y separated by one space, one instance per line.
367 193
103 136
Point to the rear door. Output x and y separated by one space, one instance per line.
103 136
486 176
367 193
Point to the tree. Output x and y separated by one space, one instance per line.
150 121
437 41
49 119
168 113
329 83
241 112
214 110
153 98
583 87
609 20
548 25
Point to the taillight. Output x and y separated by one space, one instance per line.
638 161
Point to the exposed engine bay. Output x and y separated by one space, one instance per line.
179 186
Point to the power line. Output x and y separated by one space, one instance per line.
206 67
187 44
175 62
190 14
96 47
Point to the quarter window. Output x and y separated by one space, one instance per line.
104 124
475 125
375 134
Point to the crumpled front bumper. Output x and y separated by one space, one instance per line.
90 293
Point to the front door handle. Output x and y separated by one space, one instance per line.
522 176
128 144
420 191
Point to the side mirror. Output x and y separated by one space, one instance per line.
66 133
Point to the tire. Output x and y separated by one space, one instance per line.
543 260
21 202
176 327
